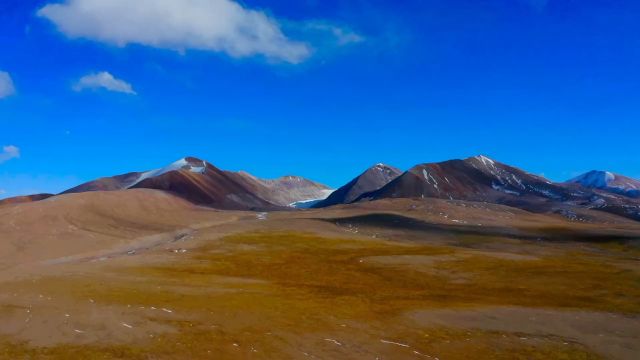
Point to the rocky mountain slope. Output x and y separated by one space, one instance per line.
283 191
372 179
203 184
476 179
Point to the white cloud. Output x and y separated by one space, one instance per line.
6 85
103 80
209 25
9 152
341 35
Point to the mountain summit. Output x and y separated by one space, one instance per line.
608 181
129 180
372 179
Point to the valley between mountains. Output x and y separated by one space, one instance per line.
468 258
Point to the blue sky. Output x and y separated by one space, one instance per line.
317 88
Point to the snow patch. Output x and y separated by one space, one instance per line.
501 188
486 161
595 179
428 176
545 192
181 164
306 204
262 216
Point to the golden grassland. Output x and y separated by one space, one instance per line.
284 295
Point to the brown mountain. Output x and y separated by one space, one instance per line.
372 179
485 180
476 179
118 182
283 191
25 199
202 183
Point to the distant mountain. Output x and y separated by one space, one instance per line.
372 179
284 191
477 179
483 179
24 199
118 182
608 181
129 180
202 183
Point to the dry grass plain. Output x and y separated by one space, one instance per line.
334 285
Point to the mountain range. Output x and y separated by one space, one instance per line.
202 183
481 179
475 179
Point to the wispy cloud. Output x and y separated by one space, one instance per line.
209 25
6 85
103 80
9 152
340 35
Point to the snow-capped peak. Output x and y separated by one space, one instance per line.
382 167
595 179
190 164
485 160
